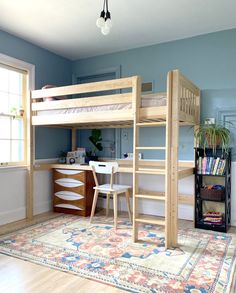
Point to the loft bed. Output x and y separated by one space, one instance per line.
116 109
179 105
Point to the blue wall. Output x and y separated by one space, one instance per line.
209 60
49 69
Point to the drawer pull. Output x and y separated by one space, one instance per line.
68 195
69 172
68 182
68 206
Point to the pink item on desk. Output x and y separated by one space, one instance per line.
48 99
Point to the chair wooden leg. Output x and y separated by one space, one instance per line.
108 204
127 195
115 209
94 204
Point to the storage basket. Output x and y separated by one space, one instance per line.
212 194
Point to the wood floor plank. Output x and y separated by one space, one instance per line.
19 276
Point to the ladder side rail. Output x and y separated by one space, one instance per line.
136 103
176 95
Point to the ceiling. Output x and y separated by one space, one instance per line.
67 27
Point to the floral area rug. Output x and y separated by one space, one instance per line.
203 263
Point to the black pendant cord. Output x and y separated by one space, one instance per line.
107 5
104 3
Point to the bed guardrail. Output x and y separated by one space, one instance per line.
116 98
189 100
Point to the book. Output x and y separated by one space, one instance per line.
218 167
204 165
210 165
207 166
222 168
199 165
215 166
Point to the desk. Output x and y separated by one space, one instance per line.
122 169
125 166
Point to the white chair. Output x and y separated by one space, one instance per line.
109 189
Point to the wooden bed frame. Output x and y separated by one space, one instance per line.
182 108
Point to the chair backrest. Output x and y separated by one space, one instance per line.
103 168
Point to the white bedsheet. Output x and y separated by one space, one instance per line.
153 101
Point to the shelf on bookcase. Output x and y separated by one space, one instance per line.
199 198
210 175
220 228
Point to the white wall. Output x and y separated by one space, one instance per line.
13 190
13 193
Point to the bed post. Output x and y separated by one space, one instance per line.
168 163
174 157
30 156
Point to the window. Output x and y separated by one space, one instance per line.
13 88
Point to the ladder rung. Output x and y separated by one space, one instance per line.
148 220
150 124
151 148
149 196
151 171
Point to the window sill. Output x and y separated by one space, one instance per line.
8 168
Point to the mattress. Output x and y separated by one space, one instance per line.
146 101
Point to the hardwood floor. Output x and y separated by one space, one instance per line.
19 276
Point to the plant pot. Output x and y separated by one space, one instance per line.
216 143
90 158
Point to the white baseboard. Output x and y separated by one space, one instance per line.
12 216
20 214
43 207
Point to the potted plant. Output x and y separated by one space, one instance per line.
95 138
213 136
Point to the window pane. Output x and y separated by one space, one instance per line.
15 80
5 127
11 129
17 129
4 102
17 151
5 150
15 102
3 79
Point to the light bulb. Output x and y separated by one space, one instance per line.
108 23
105 30
100 22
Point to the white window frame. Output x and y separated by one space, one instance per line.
30 69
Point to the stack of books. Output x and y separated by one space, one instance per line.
213 218
211 166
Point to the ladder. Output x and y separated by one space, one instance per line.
170 170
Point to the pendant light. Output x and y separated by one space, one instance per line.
104 21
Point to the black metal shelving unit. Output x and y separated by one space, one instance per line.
199 180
